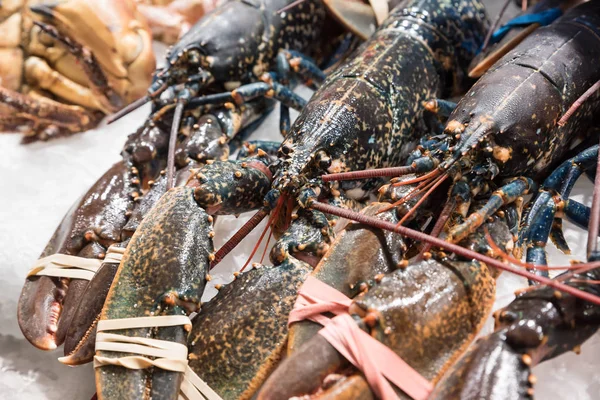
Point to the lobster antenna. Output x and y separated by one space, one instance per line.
575 106
592 242
369 173
262 235
495 25
437 183
135 105
292 5
266 246
423 186
439 224
451 247
428 176
172 143
238 236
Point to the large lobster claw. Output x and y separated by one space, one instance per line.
162 273
47 303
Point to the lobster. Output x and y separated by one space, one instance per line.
357 133
238 186
493 134
54 84
208 66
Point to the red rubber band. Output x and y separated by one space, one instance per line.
373 358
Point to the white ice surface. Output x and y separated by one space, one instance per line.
40 182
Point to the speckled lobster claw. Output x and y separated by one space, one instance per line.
47 304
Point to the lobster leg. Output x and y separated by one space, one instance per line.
552 199
505 195
440 107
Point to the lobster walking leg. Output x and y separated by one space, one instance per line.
552 201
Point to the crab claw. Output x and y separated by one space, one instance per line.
116 34
492 370
47 304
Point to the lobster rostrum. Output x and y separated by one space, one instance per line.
368 113
69 63
498 131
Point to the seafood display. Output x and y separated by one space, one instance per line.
67 64
360 298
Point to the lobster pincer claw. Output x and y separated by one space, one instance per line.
81 335
49 299
162 274
487 367
235 364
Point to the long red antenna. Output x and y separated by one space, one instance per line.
416 235
369 173
238 236
436 183
588 93
439 224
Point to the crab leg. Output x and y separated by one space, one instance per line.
72 118
103 95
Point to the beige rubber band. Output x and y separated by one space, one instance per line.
114 254
381 9
169 356
194 388
158 321
65 266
